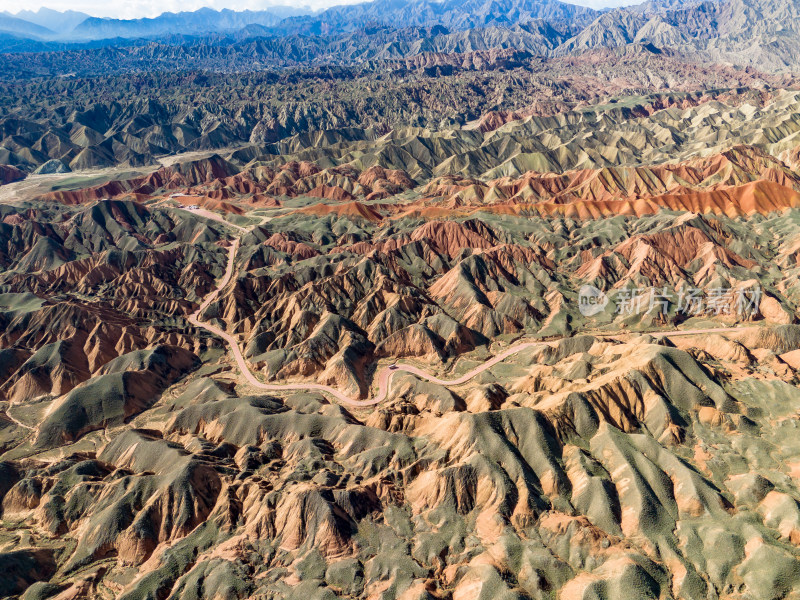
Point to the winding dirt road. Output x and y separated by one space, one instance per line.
385 375
16 421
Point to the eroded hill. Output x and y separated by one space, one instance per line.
642 453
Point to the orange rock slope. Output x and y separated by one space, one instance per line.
741 181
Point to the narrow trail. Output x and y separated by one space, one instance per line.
13 419
384 375
18 422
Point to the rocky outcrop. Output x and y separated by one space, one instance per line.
9 174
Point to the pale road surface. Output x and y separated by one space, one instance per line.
385 374
211 215
18 422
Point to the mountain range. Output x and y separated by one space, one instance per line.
451 14
757 33
48 24
55 21
403 300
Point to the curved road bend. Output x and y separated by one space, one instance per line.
385 374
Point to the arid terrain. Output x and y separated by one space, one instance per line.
455 317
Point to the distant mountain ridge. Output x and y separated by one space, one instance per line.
48 24
53 20
454 15
204 20
759 33
14 25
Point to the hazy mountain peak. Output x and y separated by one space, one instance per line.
57 21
